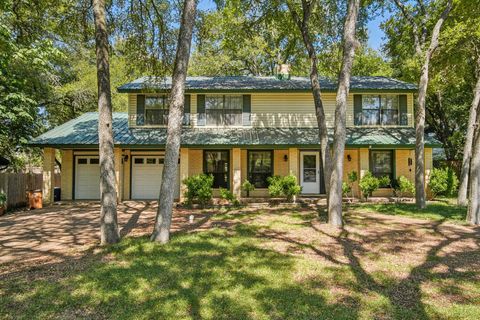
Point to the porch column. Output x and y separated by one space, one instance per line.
237 172
184 164
293 162
118 173
66 172
48 175
428 164
364 163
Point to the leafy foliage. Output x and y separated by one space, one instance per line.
368 184
248 187
3 199
443 181
199 188
284 186
405 187
346 188
229 196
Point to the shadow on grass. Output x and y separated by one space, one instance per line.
202 275
434 211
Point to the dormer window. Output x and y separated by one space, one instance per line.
156 110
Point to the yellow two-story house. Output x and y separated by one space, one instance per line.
237 129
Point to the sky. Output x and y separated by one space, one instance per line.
375 34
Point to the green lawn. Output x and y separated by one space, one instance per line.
444 209
268 264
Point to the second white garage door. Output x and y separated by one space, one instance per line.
147 176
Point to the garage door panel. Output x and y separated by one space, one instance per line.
147 178
87 178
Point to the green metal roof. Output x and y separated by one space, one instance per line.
82 133
262 84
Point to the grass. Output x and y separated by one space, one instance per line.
271 264
444 209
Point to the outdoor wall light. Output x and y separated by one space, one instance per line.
285 158
125 158
410 162
349 157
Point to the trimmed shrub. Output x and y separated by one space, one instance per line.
368 184
443 182
352 177
346 189
199 188
286 186
384 182
275 186
229 196
452 183
404 186
247 187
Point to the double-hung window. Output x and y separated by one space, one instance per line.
380 110
217 164
381 164
156 110
260 167
223 110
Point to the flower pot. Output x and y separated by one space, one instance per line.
2 210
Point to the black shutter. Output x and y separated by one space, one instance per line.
186 111
357 109
402 101
140 110
247 110
201 119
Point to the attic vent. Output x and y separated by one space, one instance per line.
283 72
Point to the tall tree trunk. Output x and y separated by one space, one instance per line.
473 215
163 219
109 232
467 148
302 24
349 45
420 194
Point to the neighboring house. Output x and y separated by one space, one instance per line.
238 128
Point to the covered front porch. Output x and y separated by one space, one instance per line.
139 171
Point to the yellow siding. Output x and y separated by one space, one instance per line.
352 165
195 162
291 109
401 164
126 175
67 174
280 166
132 110
281 109
428 164
236 172
364 164
410 111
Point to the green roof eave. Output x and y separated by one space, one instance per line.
82 133
196 91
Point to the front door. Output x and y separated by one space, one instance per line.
310 172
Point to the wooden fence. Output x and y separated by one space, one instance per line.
15 186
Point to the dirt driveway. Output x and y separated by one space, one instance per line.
61 231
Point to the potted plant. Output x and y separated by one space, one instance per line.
3 203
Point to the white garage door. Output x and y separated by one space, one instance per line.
87 178
147 176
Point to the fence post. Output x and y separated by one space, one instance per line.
4 186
